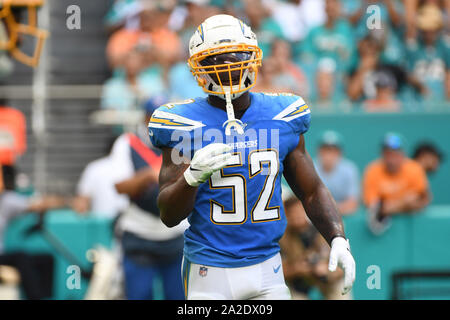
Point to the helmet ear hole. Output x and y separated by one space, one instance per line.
248 82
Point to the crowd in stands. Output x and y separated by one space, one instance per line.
373 56
336 54
340 56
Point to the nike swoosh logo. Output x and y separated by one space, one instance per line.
277 269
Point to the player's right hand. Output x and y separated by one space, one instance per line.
206 161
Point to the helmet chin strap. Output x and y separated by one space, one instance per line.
232 122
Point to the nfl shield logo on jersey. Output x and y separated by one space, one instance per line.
203 271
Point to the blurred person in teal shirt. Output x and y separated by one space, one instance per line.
267 30
429 56
132 86
388 30
328 92
334 39
364 75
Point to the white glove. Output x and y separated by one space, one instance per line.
206 161
340 256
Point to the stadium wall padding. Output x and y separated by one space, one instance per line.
363 133
413 243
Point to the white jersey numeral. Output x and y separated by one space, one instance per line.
261 211
236 182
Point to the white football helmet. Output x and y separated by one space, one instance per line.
224 56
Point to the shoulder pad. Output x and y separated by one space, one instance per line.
296 113
169 119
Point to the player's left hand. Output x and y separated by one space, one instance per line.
340 256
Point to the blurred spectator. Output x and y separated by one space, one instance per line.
150 249
152 37
36 271
385 99
428 156
393 184
325 83
288 74
410 18
181 84
334 39
130 91
13 134
189 16
297 17
327 93
96 192
123 14
382 20
387 29
411 9
340 175
392 47
390 12
265 81
369 70
305 256
283 72
267 30
428 58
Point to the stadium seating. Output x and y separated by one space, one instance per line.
77 59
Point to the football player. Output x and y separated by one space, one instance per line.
238 144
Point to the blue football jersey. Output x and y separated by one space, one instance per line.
238 217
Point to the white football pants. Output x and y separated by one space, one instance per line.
261 281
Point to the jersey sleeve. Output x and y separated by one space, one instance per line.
296 114
172 130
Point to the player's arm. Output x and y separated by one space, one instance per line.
321 209
176 197
319 205
179 182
